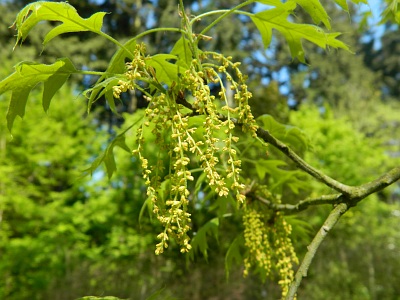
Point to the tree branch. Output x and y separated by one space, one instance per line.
330 222
317 174
301 205
347 201
303 165
356 194
362 191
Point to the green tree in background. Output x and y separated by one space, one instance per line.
63 236
216 183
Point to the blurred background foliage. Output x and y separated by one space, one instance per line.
63 236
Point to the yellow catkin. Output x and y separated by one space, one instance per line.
167 118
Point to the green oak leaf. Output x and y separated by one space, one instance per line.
345 7
166 72
107 157
63 12
182 51
316 11
26 76
277 18
116 67
290 135
104 87
280 176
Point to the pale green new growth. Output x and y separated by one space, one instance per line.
26 76
277 18
39 11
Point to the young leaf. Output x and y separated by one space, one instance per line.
343 4
26 76
63 12
276 18
104 87
182 51
270 166
288 134
280 177
108 156
166 72
116 66
391 13
316 11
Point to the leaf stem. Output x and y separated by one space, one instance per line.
157 30
219 11
84 72
105 35
227 13
110 38
301 205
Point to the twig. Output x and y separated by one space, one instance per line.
362 191
301 205
348 196
356 194
285 149
317 174
330 222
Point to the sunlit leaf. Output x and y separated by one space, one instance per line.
26 76
316 11
277 18
280 177
166 71
63 12
116 67
290 135
107 157
391 12
343 3
182 51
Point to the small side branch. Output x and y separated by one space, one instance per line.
355 194
301 205
330 222
362 191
